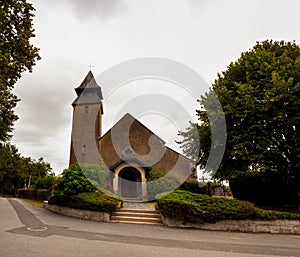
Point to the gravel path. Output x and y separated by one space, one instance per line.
137 205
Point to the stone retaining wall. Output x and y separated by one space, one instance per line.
82 214
250 226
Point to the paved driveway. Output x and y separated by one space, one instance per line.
26 230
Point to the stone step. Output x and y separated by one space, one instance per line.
136 216
136 222
137 210
141 220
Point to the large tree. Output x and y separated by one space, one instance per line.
17 171
17 55
260 96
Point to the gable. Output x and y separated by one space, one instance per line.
129 133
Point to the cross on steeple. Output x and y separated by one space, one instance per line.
90 66
203 179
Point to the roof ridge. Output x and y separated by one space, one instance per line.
89 81
88 85
136 120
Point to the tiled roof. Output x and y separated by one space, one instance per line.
89 91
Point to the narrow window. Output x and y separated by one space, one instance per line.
83 149
86 109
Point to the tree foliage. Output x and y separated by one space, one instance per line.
82 178
78 188
99 176
72 182
44 182
158 182
266 188
17 171
260 96
17 55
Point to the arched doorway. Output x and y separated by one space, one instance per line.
130 185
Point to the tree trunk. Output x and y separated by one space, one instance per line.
1 185
298 191
297 179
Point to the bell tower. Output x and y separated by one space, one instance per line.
87 122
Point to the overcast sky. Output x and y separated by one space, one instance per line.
205 35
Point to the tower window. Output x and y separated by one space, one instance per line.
83 149
86 109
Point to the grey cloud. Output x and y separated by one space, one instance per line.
44 110
43 129
202 3
200 6
101 9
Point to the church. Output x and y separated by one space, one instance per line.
129 149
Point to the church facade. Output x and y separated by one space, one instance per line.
129 149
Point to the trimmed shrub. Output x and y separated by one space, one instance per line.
265 188
170 183
93 201
38 195
197 208
193 187
159 182
74 190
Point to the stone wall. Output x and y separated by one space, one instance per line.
250 226
82 214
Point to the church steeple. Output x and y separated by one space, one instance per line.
88 92
87 121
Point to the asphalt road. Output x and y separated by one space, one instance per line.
28 231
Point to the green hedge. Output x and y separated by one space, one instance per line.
74 190
199 208
265 188
193 187
170 183
38 195
159 182
93 201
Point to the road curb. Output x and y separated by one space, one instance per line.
291 227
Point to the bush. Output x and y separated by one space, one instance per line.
197 208
38 195
99 176
264 188
72 182
74 190
43 182
159 182
93 201
193 187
